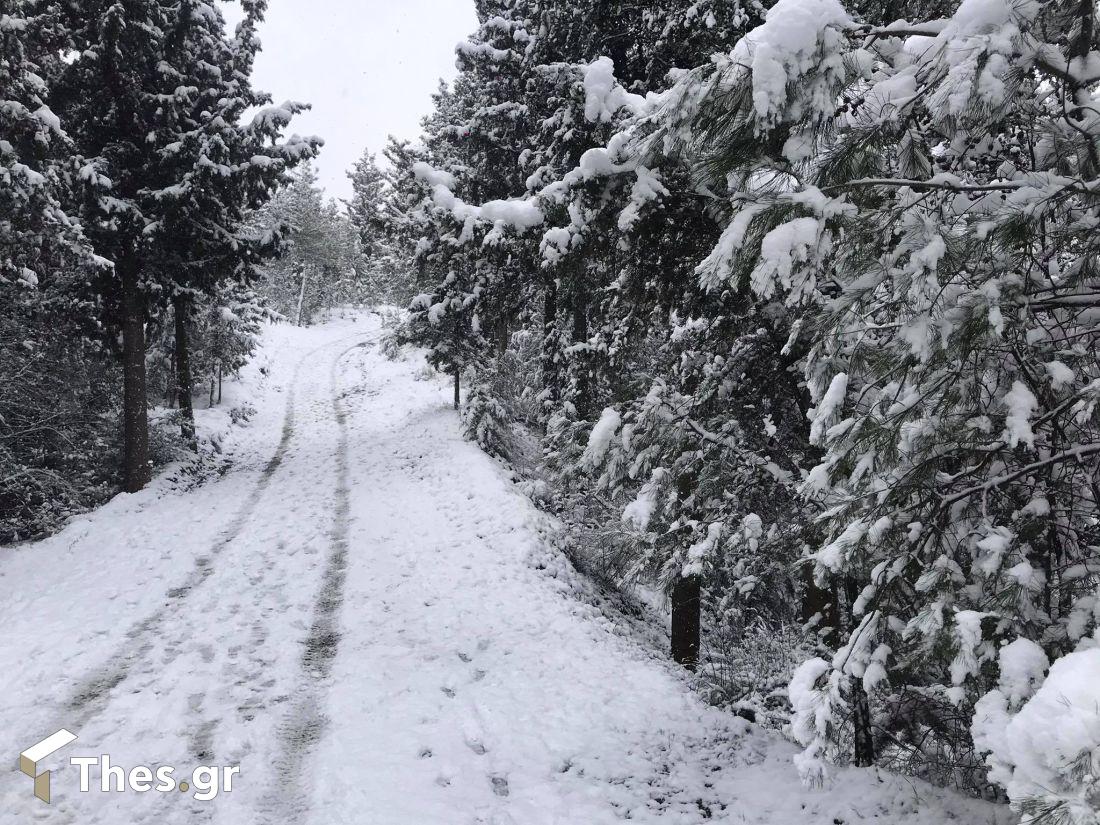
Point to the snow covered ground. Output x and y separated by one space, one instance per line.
366 617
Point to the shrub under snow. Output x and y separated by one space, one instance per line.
1043 737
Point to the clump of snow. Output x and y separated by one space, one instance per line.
647 188
1046 754
874 670
431 176
988 17
788 244
788 46
968 635
833 399
918 334
769 426
600 439
48 119
833 557
1023 664
811 718
701 551
992 548
275 117
639 512
468 48
1061 376
520 213
1021 404
752 527
604 98
715 271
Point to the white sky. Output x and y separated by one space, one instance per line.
369 68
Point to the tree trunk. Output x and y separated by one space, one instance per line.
820 602
685 621
863 750
580 319
863 743
550 379
458 387
582 363
181 306
504 335
135 413
301 297
170 388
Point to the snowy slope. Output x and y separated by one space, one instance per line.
366 617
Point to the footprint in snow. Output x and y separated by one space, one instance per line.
476 746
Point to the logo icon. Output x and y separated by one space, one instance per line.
29 759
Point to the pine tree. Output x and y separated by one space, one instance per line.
954 374
321 265
214 167
940 292
37 236
106 99
817 311
613 272
373 210
368 184
226 335
54 388
170 172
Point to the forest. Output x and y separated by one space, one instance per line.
787 313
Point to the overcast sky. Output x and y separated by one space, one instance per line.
369 68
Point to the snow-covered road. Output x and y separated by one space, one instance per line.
367 617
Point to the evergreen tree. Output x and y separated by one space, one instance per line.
215 168
615 269
54 391
322 263
368 184
37 236
226 335
928 232
385 270
153 99
445 317
106 98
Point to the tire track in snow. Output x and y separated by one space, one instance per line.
92 694
167 629
250 615
306 721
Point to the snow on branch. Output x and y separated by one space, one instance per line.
521 214
604 98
